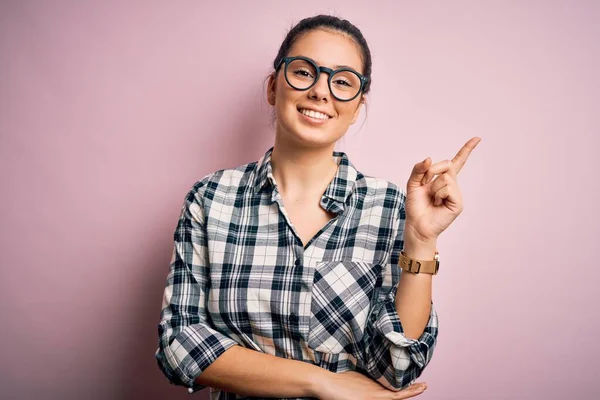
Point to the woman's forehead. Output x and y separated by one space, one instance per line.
328 48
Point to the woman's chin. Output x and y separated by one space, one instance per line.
308 135
310 138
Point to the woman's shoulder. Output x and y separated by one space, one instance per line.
224 180
381 189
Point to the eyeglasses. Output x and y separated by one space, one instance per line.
302 73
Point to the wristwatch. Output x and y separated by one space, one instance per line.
413 266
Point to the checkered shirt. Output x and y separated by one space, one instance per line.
240 274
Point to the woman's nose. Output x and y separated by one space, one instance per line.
320 90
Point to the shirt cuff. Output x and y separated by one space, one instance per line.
388 325
193 350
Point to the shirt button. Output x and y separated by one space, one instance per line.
190 390
297 262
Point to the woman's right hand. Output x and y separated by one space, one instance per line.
352 385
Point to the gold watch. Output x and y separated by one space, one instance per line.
413 266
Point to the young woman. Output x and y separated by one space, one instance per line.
285 279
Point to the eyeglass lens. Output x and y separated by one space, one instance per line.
301 74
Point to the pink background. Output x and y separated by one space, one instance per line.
110 111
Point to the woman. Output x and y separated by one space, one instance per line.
285 276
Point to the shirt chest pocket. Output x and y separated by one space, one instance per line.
341 300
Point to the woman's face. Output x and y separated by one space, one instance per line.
330 49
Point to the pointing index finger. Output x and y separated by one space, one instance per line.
463 154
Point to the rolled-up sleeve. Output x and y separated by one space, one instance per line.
391 358
187 343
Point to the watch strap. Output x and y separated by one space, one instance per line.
419 266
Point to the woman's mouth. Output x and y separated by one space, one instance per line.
314 116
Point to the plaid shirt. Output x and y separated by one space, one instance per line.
240 274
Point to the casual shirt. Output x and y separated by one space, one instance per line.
240 275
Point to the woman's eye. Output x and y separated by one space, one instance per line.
302 72
342 82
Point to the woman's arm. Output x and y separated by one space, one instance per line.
413 298
247 372
401 331
250 373
432 202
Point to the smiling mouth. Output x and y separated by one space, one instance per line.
314 114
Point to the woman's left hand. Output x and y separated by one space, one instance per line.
432 204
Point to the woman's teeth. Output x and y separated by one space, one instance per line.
314 114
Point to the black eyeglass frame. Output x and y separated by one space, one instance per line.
319 69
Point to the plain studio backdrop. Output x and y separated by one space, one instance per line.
111 110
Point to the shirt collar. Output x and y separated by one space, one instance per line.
338 190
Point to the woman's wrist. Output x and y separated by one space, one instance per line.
418 247
317 380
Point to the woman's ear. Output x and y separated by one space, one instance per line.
271 89
363 100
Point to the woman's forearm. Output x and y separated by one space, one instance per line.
251 373
413 298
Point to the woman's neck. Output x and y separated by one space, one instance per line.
302 171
